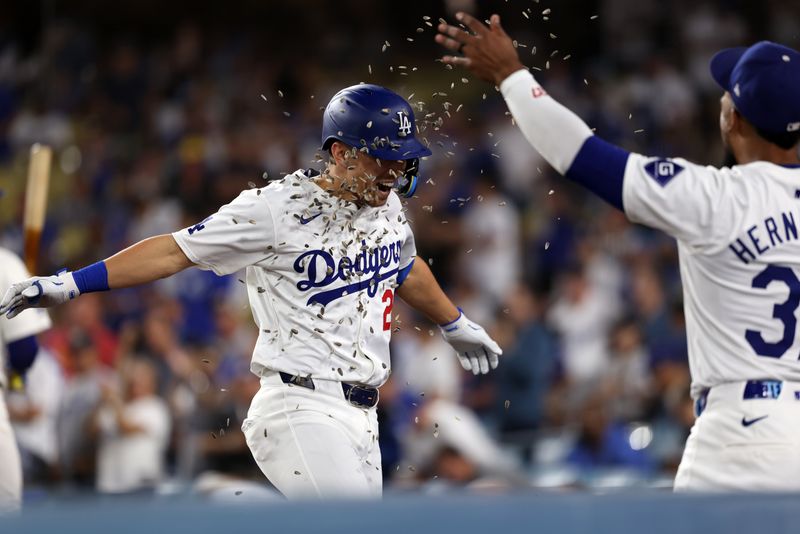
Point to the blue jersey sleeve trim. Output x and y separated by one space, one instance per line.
92 278
600 167
446 325
21 353
403 273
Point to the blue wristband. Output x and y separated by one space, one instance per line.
92 278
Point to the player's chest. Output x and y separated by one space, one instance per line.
342 259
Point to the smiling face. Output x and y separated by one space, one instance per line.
362 178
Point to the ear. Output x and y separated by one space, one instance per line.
338 152
342 153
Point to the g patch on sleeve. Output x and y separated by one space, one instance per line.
662 170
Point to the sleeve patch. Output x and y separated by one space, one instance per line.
662 170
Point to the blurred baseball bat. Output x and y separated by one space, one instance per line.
33 219
36 202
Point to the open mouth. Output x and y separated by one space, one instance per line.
384 187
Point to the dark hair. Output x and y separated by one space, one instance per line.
785 140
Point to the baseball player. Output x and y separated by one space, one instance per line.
326 255
18 348
738 242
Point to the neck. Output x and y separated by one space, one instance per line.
758 150
332 182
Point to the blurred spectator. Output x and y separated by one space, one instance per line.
582 316
133 428
85 315
528 371
491 241
82 394
626 379
603 442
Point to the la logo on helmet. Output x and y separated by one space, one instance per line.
405 124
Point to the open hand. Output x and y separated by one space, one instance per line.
488 52
477 352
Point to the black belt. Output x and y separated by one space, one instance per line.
362 396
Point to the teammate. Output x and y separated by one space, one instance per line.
18 348
325 255
738 243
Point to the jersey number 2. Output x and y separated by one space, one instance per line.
388 299
784 312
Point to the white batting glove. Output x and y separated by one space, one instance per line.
39 292
477 352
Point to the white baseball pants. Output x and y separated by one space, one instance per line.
314 444
744 445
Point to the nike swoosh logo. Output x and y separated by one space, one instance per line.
746 422
303 220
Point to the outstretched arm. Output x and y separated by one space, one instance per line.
146 261
477 352
560 136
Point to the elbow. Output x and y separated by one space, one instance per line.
178 260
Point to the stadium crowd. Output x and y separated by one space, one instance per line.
138 388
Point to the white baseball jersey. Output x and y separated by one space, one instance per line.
29 322
321 274
737 232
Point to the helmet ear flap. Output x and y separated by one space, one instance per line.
406 185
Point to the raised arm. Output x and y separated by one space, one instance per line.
146 261
560 136
477 352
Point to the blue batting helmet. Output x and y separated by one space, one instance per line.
379 121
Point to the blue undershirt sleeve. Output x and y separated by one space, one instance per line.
599 166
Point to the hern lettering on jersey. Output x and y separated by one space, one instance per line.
381 263
759 238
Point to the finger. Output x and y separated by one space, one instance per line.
13 304
484 362
494 359
7 298
457 61
11 294
494 347
16 310
449 43
464 363
494 24
455 32
31 292
11 299
473 359
477 27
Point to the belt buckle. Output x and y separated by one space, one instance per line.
348 395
